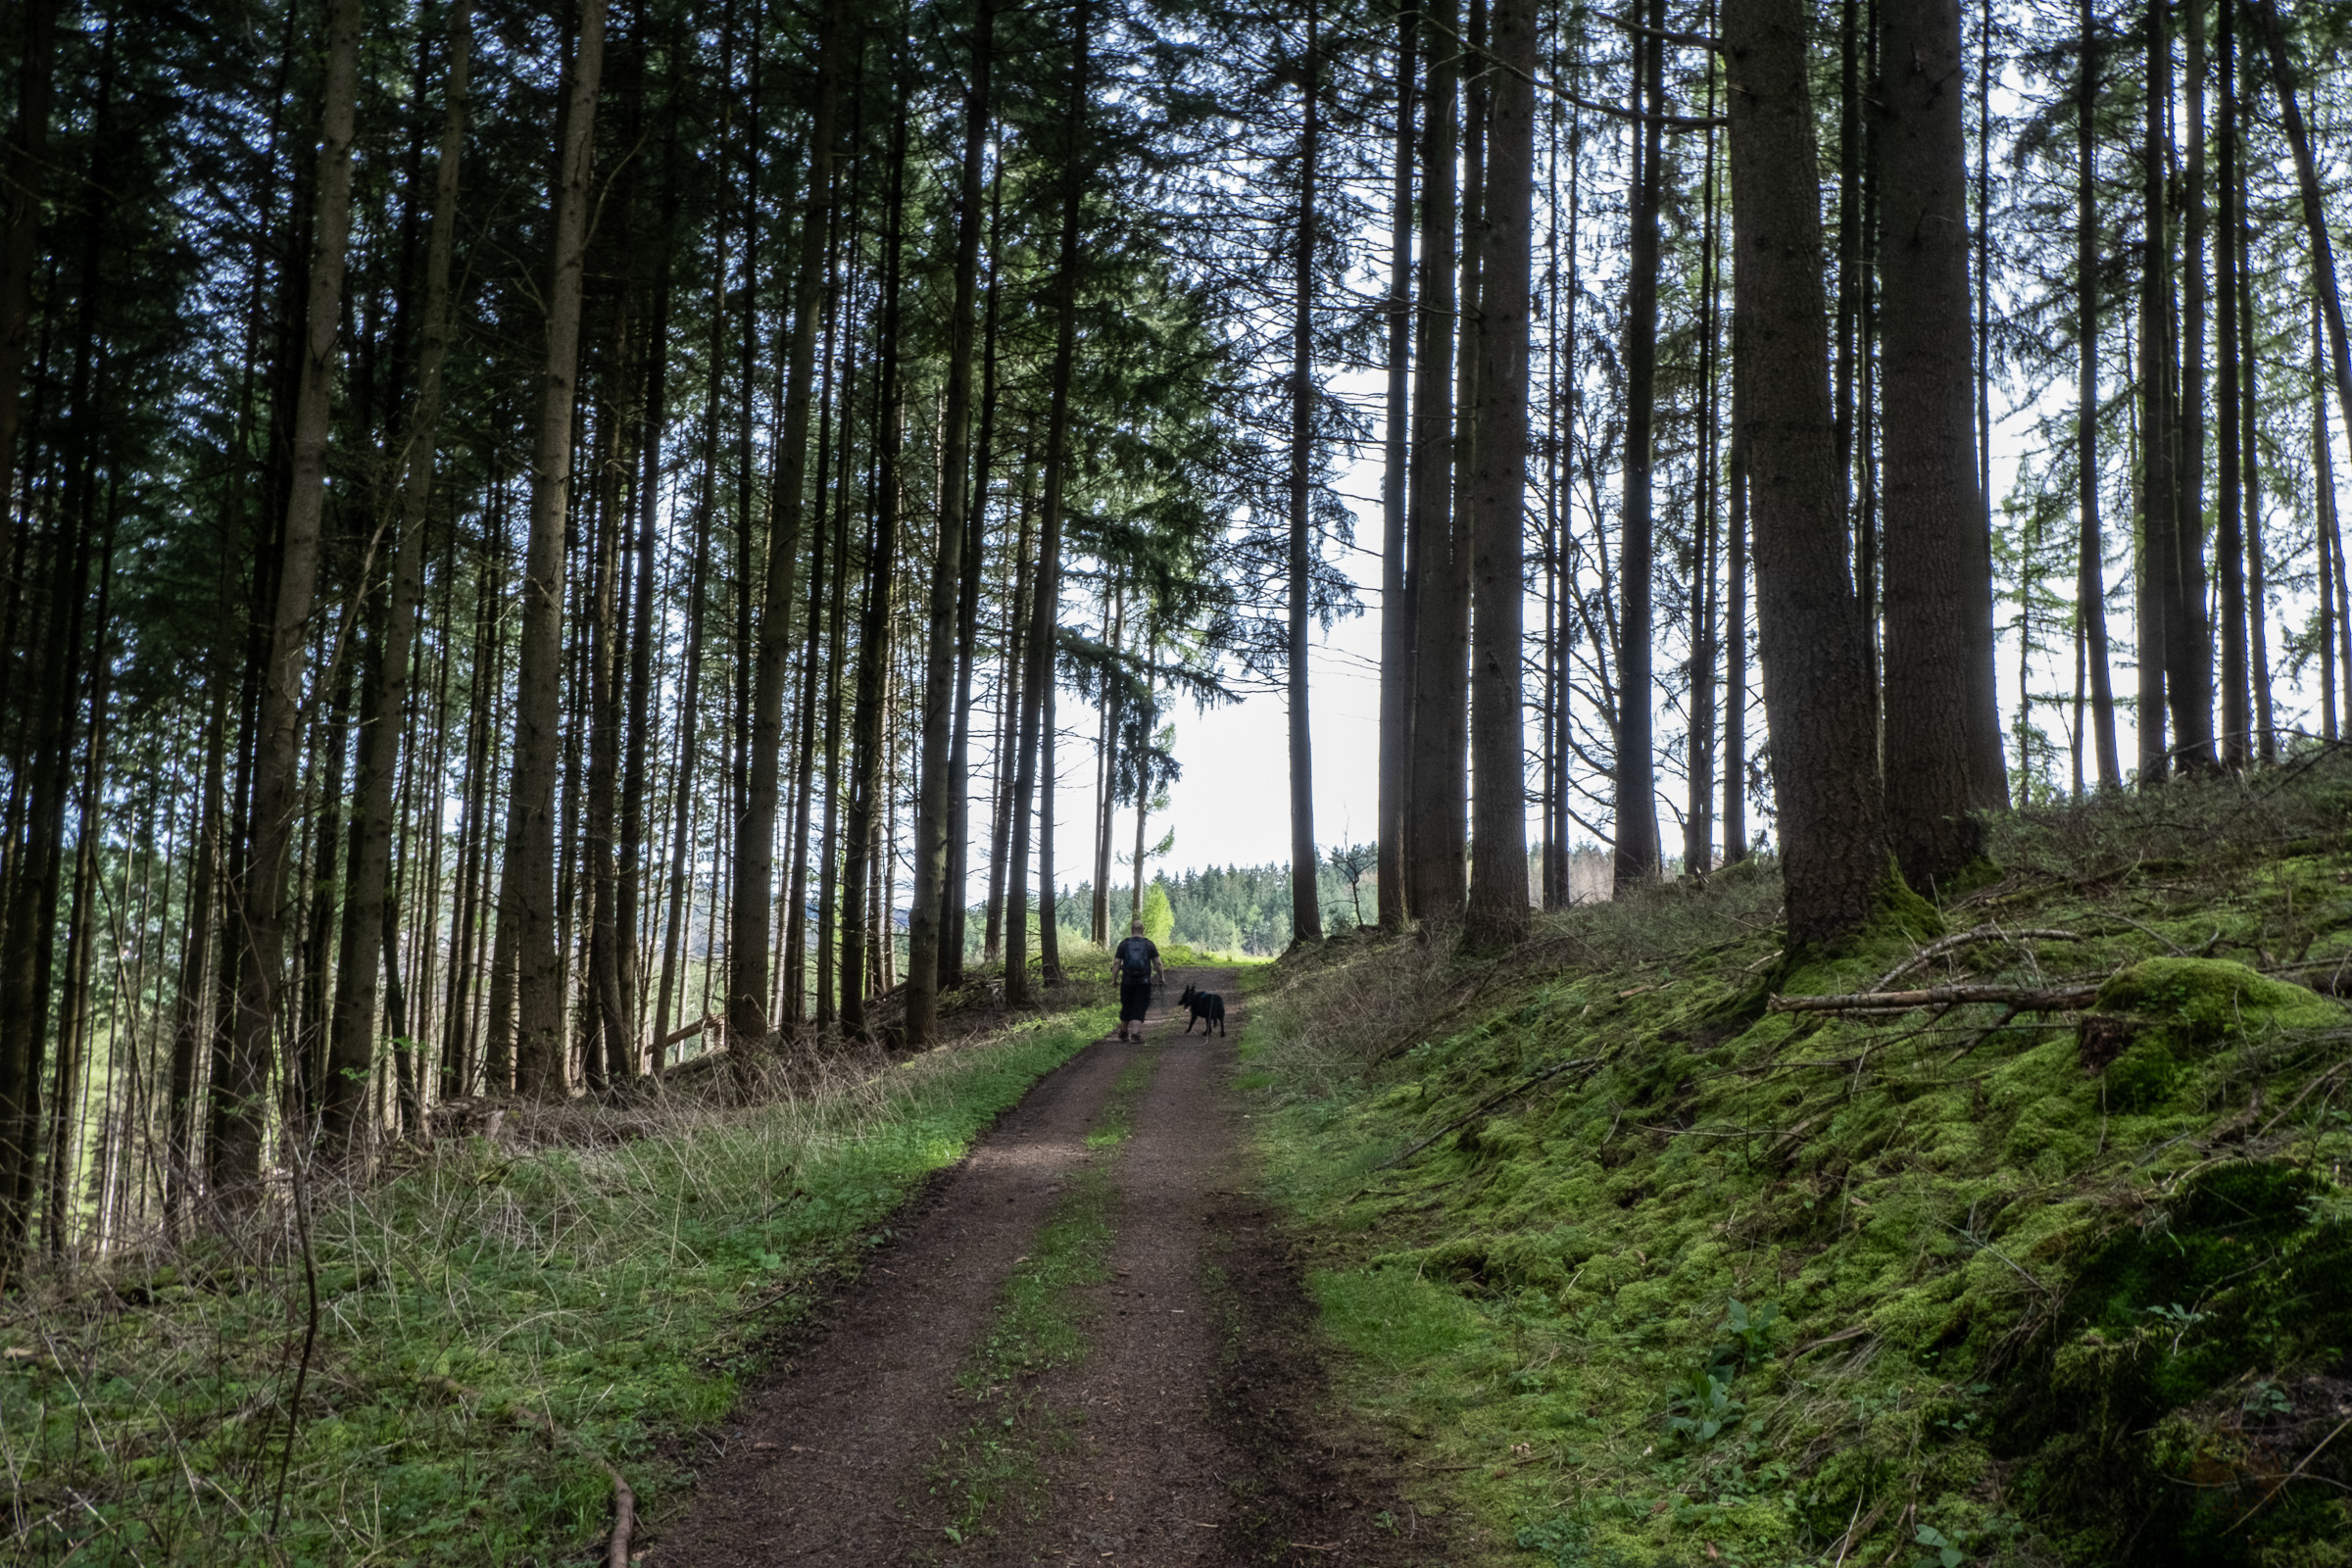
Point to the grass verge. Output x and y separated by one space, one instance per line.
620 1291
1648 1275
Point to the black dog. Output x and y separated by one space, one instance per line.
1208 1009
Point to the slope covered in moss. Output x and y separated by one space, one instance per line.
1648 1273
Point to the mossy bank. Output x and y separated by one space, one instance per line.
1681 1280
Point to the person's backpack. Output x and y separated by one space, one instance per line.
1135 960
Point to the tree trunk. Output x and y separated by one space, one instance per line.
28 175
1938 589
868 727
1637 856
1306 914
1437 584
241 1098
2188 639
749 1025
1008 825
2228 543
2335 614
1046 605
1832 837
351 1048
643 721
1498 914
2157 502
2327 300
2090 543
1734 610
1698 745
953 891
932 809
74 1004
2266 734
526 893
1395 604
1048 931
1106 756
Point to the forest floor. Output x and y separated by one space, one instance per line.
1089 1345
1660 1248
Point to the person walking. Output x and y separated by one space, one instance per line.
1136 962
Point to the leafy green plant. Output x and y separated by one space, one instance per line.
1940 1551
1703 1406
1749 1330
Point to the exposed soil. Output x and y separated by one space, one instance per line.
1196 1429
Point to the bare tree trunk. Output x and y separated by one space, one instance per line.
1106 759
2336 613
933 811
2091 547
1049 797
796 943
2266 742
351 1047
1395 603
1938 589
868 729
1142 767
2156 503
749 1025
2188 643
28 178
1306 915
1637 858
1437 584
1045 611
241 1104
1832 836
1498 914
1698 745
953 892
526 895
1734 615
2325 299
74 1004
1006 825
2228 544
635 792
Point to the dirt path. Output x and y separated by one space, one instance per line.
1188 1428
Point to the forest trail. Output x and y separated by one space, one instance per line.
1181 1419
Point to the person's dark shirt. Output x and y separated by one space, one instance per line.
1118 957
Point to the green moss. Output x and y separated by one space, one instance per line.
2209 999
1937 1202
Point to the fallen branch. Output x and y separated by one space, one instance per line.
624 1500
2329 977
1485 1105
1966 938
2026 999
688 1031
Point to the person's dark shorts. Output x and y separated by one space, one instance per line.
1135 999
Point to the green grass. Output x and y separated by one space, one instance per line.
2040 1313
621 1291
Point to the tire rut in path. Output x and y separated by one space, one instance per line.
1146 1475
1198 1428
824 1460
